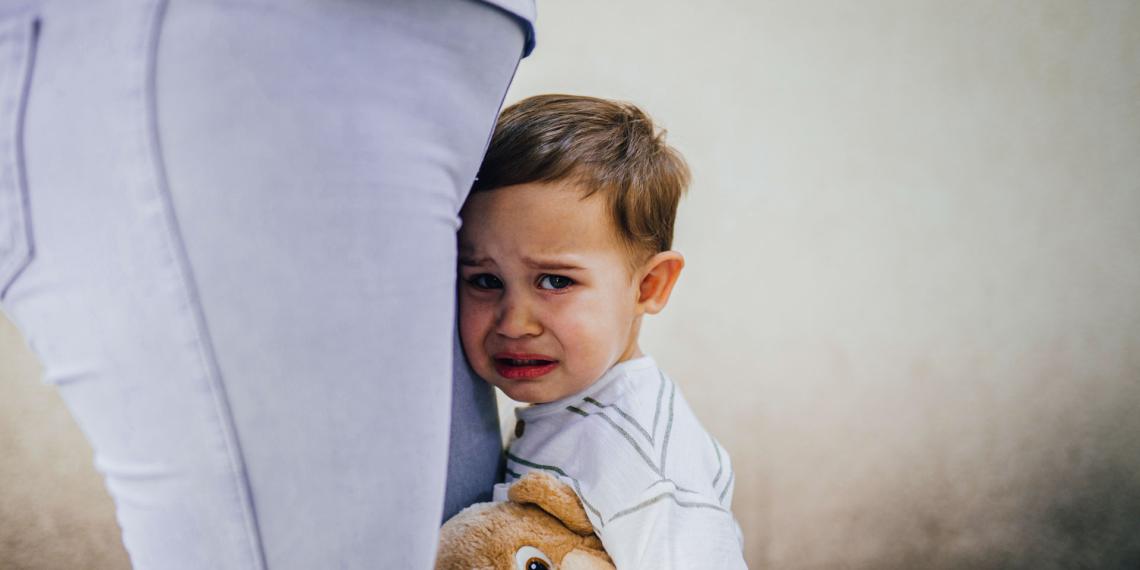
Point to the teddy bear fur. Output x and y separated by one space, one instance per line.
542 513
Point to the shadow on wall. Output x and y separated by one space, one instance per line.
949 475
1079 507
1087 518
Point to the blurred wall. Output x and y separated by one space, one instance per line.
911 310
54 511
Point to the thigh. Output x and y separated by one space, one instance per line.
243 219
104 299
353 138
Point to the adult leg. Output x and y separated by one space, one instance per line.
243 218
475 456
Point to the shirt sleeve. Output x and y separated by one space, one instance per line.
673 530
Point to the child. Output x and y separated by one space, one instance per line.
565 245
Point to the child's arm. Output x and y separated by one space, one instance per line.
677 531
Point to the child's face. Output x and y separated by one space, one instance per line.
547 302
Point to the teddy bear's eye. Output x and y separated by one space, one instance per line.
531 558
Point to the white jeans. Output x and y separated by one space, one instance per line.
227 229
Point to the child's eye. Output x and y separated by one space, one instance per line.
485 281
554 282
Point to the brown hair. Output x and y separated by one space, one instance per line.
606 146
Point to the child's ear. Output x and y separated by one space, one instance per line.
659 274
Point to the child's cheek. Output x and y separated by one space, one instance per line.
584 335
474 321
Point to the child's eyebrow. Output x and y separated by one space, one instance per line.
473 261
544 264
551 264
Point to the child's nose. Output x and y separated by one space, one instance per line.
516 319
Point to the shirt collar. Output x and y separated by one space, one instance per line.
615 373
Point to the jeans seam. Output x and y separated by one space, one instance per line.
25 33
172 241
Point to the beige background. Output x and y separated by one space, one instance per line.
912 305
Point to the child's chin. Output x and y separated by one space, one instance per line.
525 398
526 394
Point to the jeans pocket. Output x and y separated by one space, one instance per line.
17 52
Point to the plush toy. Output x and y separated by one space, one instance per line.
542 527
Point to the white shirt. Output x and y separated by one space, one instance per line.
656 486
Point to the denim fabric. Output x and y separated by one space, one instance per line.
227 229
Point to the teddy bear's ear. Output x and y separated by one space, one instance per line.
554 497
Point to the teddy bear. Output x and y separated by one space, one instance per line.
541 527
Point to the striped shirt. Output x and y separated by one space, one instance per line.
656 486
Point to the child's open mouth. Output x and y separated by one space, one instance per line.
523 366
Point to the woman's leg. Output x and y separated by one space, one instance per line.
475 457
243 218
